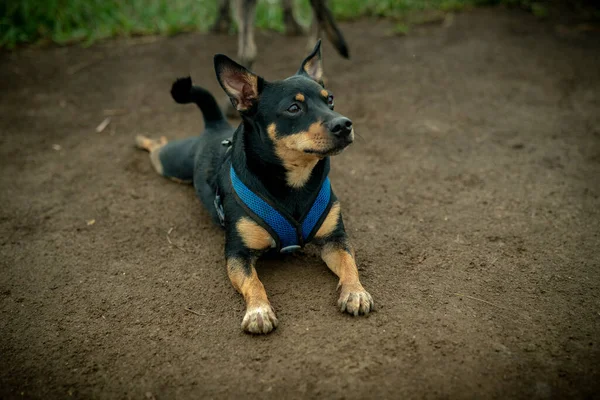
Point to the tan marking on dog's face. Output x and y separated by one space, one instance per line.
330 222
324 93
299 97
254 236
290 149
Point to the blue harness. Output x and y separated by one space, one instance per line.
289 234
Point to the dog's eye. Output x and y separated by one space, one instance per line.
293 108
330 101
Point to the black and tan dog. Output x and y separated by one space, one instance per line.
267 181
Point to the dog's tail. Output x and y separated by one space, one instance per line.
183 92
327 23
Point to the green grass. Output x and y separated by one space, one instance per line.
69 21
66 21
86 21
401 29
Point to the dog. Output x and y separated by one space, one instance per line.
266 182
245 13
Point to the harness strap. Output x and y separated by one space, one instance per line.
217 201
289 234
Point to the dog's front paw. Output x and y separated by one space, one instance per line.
355 300
260 319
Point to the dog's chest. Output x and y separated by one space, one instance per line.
292 220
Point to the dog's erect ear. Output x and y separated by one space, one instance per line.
312 66
242 86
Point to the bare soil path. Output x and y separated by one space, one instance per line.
473 203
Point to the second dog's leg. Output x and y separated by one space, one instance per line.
292 27
314 35
223 21
314 32
246 15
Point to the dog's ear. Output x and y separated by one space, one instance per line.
242 86
312 66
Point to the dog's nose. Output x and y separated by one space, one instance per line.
340 126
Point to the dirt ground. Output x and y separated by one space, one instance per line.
473 203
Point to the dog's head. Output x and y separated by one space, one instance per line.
296 114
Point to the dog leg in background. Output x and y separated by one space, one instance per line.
292 27
223 21
245 13
314 35
260 316
246 16
314 31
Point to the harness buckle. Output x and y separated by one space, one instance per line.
219 208
217 201
290 249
